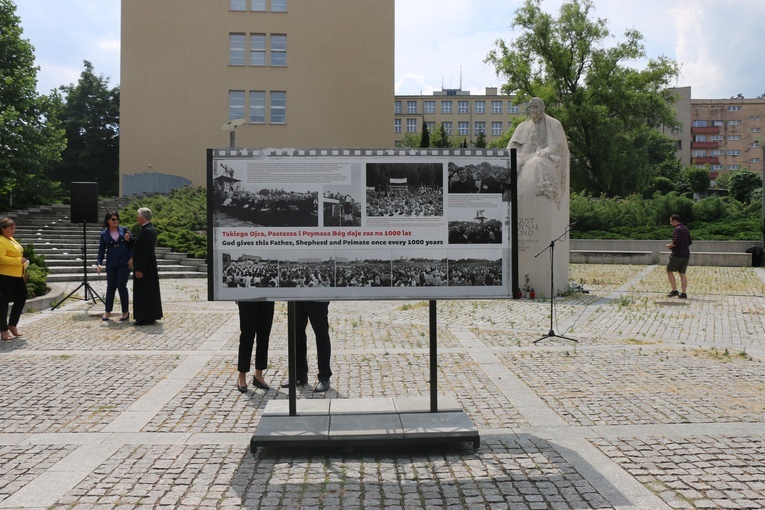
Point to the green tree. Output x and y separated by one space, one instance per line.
440 138
480 141
425 138
608 108
698 179
410 140
742 184
30 138
90 114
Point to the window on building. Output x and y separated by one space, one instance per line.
734 122
755 130
699 154
236 49
235 104
463 128
237 5
258 5
734 137
717 152
396 125
496 107
411 125
699 138
733 153
479 106
463 106
717 138
411 107
511 108
278 107
429 107
734 108
715 167
677 128
448 128
699 123
718 123
479 127
278 5
431 127
257 49
496 128
278 50
754 160
258 106
732 167
678 145
446 107
397 107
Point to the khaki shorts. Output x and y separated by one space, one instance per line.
677 264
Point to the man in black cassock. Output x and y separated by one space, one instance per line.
147 302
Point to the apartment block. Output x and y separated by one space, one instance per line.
299 73
463 115
727 133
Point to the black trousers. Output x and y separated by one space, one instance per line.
255 319
12 288
318 313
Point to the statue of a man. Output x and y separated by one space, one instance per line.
542 152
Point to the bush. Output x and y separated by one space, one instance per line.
37 272
180 219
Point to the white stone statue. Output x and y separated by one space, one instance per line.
543 198
543 161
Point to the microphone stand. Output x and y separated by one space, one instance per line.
551 246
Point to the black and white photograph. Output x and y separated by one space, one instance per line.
404 189
478 178
475 226
240 204
249 270
473 271
420 268
360 268
307 270
341 207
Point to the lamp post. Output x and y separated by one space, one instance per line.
231 126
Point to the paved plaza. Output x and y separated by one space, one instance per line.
661 403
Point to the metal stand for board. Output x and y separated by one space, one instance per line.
363 422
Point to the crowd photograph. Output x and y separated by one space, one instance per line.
474 272
404 189
420 272
470 226
249 271
363 271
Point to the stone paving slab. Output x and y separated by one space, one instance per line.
659 405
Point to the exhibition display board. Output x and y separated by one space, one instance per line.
334 224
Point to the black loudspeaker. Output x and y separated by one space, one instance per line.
85 202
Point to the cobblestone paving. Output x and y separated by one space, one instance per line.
644 385
526 473
74 393
696 472
22 464
661 403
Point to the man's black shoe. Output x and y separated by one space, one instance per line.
144 323
674 293
683 296
298 382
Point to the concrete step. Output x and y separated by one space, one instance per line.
78 277
166 268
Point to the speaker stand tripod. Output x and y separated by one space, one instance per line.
551 247
90 294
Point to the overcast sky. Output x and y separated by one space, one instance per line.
442 43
